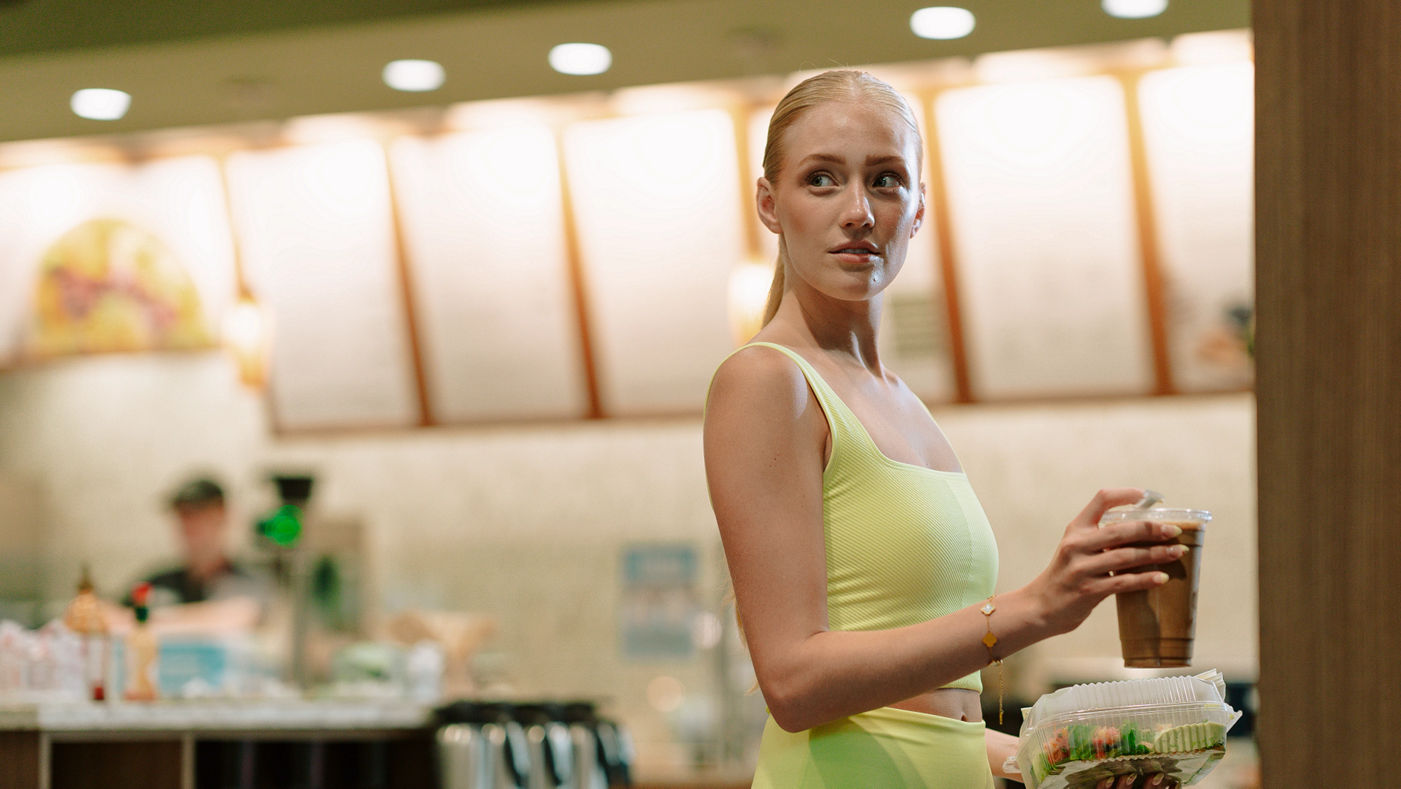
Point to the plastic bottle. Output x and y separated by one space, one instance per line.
142 650
84 617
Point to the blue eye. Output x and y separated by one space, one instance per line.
821 180
887 181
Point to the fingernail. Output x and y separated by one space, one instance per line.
1176 551
1160 578
1157 780
1170 530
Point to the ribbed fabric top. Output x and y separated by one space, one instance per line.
905 543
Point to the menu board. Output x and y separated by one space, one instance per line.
1045 242
655 198
484 233
1198 129
315 228
1040 195
106 257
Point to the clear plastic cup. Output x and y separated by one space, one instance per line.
1156 626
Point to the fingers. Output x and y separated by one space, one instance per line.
1106 499
1120 548
1117 560
1128 532
1128 582
1093 590
1155 781
1122 782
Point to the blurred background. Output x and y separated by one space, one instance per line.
398 248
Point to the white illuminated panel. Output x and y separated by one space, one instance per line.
484 231
315 228
1197 127
1041 199
179 200
655 198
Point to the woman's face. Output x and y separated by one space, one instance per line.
847 198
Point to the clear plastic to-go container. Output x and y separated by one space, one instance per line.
1080 735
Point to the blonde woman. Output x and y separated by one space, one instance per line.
863 565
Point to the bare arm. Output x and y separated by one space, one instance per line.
214 617
764 451
1000 747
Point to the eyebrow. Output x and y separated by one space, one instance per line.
870 160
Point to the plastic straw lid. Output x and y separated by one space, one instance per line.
1150 497
1173 514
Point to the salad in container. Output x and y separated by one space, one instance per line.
1080 735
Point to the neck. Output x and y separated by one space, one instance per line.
207 567
846 328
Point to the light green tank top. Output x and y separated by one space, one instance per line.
905 543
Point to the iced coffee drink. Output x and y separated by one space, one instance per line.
1156 625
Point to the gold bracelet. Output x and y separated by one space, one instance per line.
990 641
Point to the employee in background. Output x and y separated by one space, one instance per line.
207 591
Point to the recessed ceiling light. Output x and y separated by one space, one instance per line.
100 104
942 22
413 75
581 59
1133 9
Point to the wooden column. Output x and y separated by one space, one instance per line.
1328 347
942 219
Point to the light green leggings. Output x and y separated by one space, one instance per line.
886 748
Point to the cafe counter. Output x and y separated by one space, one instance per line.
243 743
357 744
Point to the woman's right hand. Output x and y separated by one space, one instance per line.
1091 563
1155 781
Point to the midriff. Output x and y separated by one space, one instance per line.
956 703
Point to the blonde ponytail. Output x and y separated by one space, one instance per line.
775 292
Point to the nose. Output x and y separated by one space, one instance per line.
856 214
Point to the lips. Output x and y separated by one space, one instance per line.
855 248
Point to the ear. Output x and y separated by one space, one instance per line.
764 203
919 214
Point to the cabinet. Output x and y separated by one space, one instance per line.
182 745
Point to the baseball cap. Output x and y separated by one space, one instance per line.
197 492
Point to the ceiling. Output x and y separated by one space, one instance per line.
200 62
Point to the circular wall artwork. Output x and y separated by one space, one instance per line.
109 285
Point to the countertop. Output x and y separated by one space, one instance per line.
216 714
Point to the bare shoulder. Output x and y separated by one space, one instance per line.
764 443
760 394
759 372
